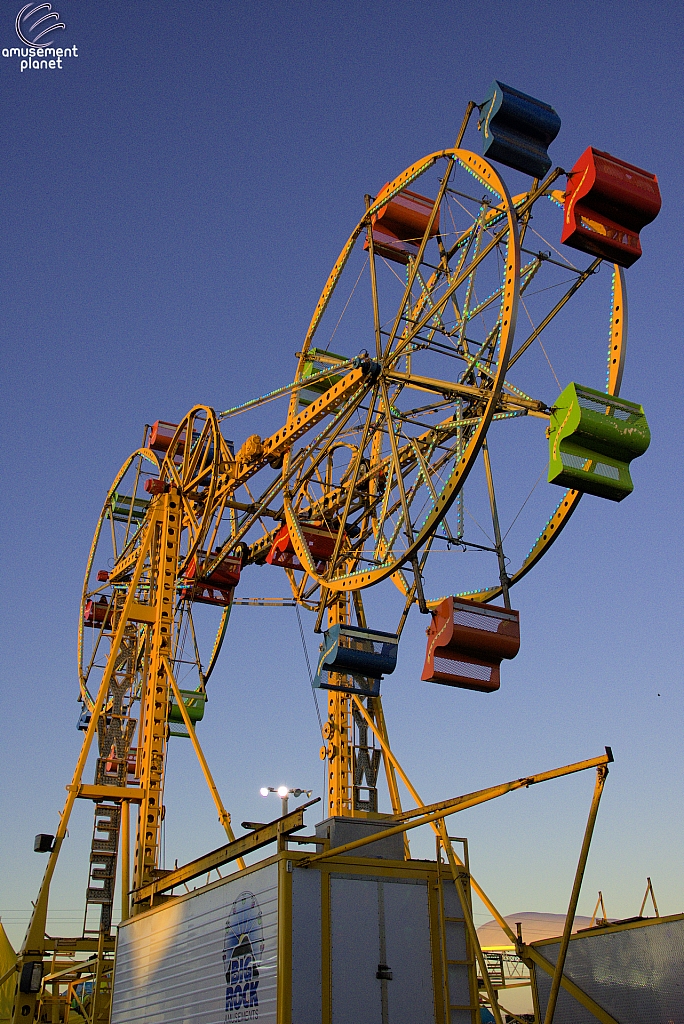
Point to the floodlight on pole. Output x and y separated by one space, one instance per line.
283 792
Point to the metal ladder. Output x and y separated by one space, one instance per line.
115 730
103 857
446 946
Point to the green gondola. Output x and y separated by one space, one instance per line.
593 437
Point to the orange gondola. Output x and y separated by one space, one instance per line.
467 642
398 227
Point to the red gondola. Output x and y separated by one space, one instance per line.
216 587
96 612
112 763
321 543
607 203
467 642
162 435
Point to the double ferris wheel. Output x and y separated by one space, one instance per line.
435 353
466 355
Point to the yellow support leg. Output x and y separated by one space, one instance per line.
224 816
339 758
155 699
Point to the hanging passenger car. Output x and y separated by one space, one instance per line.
97 613
518 130
354 659
467 643
319 539
593 437
215 587
194 701
317 361
607 203
399 226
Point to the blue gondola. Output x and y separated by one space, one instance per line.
358 657
84 719
518 129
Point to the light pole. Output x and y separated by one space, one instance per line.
283 792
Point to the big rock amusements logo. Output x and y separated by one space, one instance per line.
243 947
38 28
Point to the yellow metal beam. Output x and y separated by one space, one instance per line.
390 771
86 792
279 442
292 822
142 613
462 883
125 857
482 795
340 789
84 965
556 309
601 775
425 816
155 698
59 945
35 942
441 387
8 974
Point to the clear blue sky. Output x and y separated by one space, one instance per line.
174 198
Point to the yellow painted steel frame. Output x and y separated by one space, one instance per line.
149 456
601 775
358 579
280 443
189 466
556 523
156 552
34 944
156 549
340 798
478 165
154 702
617 351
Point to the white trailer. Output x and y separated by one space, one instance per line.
349 940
